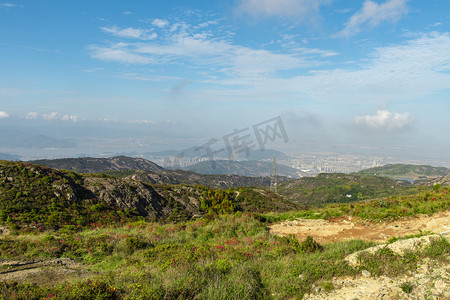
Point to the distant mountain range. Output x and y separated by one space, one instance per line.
147 171
416 172
199 152
16 138
244 168
221 181
98 165
7 156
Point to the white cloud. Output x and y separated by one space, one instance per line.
200 48
411 70
131 33
118 53
408 70
56 116
384 120
50 116
7 4
72 118
281 8
373 14
4 115
144 122
31 115
160 23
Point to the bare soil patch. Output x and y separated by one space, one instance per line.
42 272
344 228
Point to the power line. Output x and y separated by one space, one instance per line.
273 178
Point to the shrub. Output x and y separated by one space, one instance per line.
133 243
407 287
310 245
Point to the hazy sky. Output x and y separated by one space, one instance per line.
176 73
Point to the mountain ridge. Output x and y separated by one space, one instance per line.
98 165
244 168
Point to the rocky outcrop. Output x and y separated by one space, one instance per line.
399 247
128 194
430 280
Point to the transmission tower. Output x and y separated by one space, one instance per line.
273 178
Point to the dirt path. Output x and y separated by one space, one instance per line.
352 228
45 272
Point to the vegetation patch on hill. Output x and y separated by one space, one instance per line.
338 188
408 171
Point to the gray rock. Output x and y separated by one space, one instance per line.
365 273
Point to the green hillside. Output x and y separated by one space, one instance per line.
37 197
335 187
408 171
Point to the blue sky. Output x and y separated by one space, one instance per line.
174 74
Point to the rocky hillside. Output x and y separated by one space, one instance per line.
166 176
443 181
34 195
97 165
243 168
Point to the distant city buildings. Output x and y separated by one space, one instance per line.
308 164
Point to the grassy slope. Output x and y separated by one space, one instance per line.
231 257
426 202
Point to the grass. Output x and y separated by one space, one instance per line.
231 257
